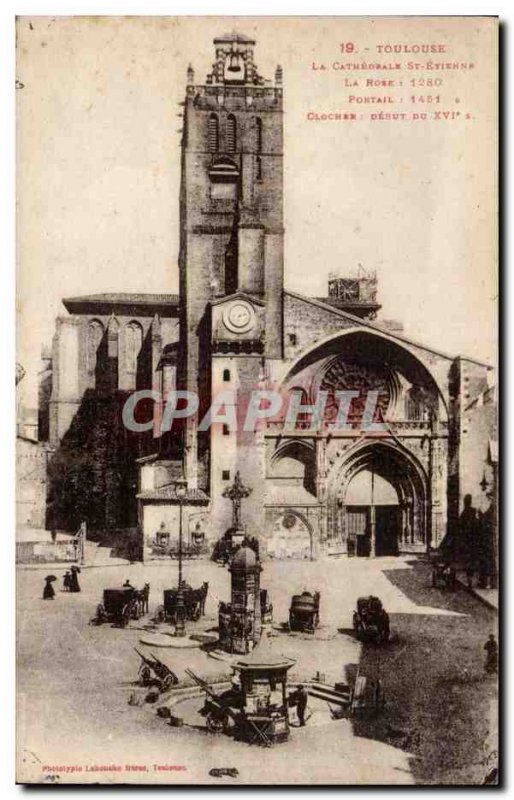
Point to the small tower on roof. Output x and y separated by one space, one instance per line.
234 63
355 292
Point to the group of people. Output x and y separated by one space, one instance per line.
70 583
478 529
474 544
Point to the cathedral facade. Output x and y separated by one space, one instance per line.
234 329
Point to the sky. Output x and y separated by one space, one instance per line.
98 149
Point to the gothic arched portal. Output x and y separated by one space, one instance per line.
377 525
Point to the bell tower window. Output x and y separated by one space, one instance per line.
258 168
231 134
213 133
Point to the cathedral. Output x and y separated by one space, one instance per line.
233 329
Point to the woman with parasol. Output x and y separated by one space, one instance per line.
48 591
74 581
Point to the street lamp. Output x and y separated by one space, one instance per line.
180 630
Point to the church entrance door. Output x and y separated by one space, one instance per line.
388 530
359 525
359 530
377 502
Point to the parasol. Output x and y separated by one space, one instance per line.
50 578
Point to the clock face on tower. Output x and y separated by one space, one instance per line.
239 317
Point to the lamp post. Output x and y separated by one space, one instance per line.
180 630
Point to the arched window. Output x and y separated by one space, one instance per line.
213 133
258 168
113 332
226 375
258 135
231 134
415 407
95 332
134 342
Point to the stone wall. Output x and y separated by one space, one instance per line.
31 477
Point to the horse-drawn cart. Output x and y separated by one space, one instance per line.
371 620
304 612
194 603
120 605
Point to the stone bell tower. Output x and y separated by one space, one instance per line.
231 217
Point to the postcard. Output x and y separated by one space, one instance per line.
257 442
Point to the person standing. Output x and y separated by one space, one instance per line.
468 534
491 648
486 549
74 581
301 697
48 591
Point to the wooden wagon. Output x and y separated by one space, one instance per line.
194 603
371 620
304 612
119 606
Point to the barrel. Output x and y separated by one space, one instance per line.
303 603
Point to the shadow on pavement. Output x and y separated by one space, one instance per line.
416 584
438 698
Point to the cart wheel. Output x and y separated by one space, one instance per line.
145 675
160 614
100 613
215 724
125 615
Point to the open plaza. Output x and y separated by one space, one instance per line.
75 680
